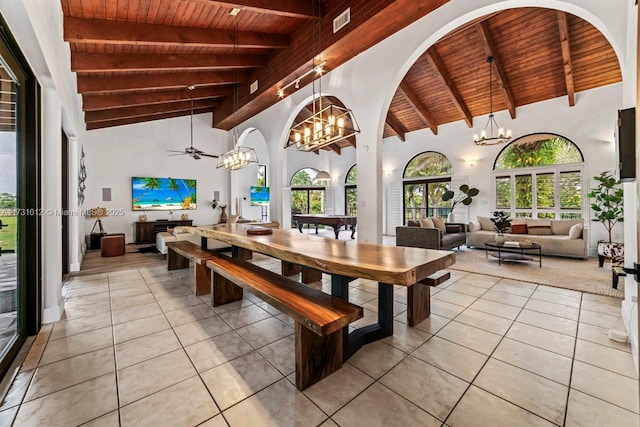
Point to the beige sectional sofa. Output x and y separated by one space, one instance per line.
566 237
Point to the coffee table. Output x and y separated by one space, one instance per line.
524 252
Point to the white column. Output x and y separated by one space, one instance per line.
74 210
52 304
369 160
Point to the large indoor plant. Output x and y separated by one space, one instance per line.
607 206
465 197
501 223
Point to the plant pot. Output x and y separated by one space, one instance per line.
500 239
223 215
142 218
185 217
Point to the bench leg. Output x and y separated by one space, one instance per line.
418 303
175 261
316 356
223 290
203 279
290 269
311 275
241 253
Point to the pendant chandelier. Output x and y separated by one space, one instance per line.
328 123
487 136
238 157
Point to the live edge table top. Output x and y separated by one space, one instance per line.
386 264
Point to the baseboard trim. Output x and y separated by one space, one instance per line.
75 266
52 314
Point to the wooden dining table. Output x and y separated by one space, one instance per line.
344 261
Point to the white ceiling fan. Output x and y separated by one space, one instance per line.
191 150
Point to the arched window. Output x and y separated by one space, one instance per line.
306 196
540 176
351 192
426 177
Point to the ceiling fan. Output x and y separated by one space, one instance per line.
191 150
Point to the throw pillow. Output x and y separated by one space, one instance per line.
575 232
179 230
485 223
562 226
539 227
439 224
427 222
474 226
519 229
170 230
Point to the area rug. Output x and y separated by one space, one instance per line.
576 274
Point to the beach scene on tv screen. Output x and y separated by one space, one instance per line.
151 194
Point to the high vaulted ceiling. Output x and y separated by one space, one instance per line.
135 58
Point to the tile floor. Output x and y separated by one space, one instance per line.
136 347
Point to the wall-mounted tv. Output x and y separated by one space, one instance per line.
163 194
259 196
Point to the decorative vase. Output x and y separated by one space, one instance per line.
223 215
500 239
451 217
142 218
185 216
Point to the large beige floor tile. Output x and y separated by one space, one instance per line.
139 328
244 316
184 404
542 338
71 406
189 314
87 299
488 322
378 406
585 410
217 421
505 298
162 294
281 354
481 409
515 287
545 294
138 312
550 322
112 419
605 385
452 358
470 337
118 303
140 349
33 357
277 405
455 297
445 309
431 388
431 324
466 289
200 330
74 345
74 312
88 288
554 309
232 305
238 379
44 333
496 308
337 389
132 291
265 332
179 302
479 280
80 325
143 379
600 336
215 351
377 358
406 338
533 359
539 395
603 307
600 319
18 390
8 415
606 358
68 372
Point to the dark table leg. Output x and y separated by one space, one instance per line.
353 231
300 226
336 229
316 228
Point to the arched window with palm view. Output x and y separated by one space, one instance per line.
351 192
306 196
540 176
426 177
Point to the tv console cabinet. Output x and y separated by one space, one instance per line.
146 231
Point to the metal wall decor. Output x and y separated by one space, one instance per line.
82 176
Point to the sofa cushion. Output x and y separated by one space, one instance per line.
575 232
562 226
180 230
485 223
439 224
474 226
539 227
519 229
426 222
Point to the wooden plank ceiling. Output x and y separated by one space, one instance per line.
135 58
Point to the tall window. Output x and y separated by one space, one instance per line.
540 176
351 192
426 177
306 196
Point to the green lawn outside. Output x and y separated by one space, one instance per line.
8 234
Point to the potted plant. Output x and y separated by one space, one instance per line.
501 223
465 196
608 209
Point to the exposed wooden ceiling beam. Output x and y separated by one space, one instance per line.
443 75
120 122
335 148
101 84
146 110
490 50
102 62
291 8
396 126
566 57
79 30
91 102
412 98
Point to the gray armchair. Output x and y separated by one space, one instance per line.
431 238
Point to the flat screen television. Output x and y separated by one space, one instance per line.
163 194
259 196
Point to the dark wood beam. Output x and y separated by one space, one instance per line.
146 110
352 140
566 57
107 124
102 62
92 102
396 126
101 84
291 8
80 30
412 98
441 71
335 148
490 50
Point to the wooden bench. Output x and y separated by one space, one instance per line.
419 297
179 254
320 318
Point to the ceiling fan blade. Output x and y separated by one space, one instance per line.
176 151
209 155
181 154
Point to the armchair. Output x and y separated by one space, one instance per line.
415 236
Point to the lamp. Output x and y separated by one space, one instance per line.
98 213
238 157
327 124
489 138
322 176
